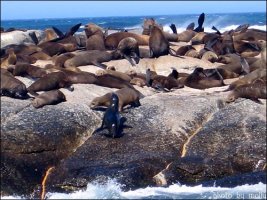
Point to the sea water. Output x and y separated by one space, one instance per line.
221 21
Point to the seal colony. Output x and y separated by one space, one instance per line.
241 53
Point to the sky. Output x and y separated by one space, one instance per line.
71 9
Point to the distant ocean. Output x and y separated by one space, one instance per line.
112 189
223 22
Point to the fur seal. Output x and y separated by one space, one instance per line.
60 60
93 57
10 59
161 82
54 80
107 80
48 98
158 44
248 79
210 56
112 119
129 49
95 37
112 40
181 51
24 69
127 96
225 74
232 63
197 81
12 87
252 91
192 53
117 74
138 81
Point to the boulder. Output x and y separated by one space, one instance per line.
20 37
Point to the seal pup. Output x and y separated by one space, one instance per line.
254 91
127 96
210 56
112 119
54 80
138 81
52 97
12 87
24 69
232 63
60 59
197 81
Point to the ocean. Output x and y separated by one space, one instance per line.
221 21
112 189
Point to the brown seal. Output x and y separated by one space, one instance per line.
249 78
127 96
92 57
254 91
192 53
95 37
24 69
186 35
225 74
50 81
117 74
129 49
197 81
112 40
181 51
107 80
161 82
138 81
52 97
9 59
12 87
232 63
60 60
210 56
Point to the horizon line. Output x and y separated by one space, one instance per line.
131 16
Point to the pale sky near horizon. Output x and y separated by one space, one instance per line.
73 9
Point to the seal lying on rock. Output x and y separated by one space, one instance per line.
112 119
161 82
48 98
127 96
12 87
24 69
198 81
50 81
252 91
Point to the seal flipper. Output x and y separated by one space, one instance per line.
98 64
58 32
191 26
215 29
173 27
34 37
245 65
129 59
201 19
73 30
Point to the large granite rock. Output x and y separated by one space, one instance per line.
20 37
191 131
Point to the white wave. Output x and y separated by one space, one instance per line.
263 27
113 190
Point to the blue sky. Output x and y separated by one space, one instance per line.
63 9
